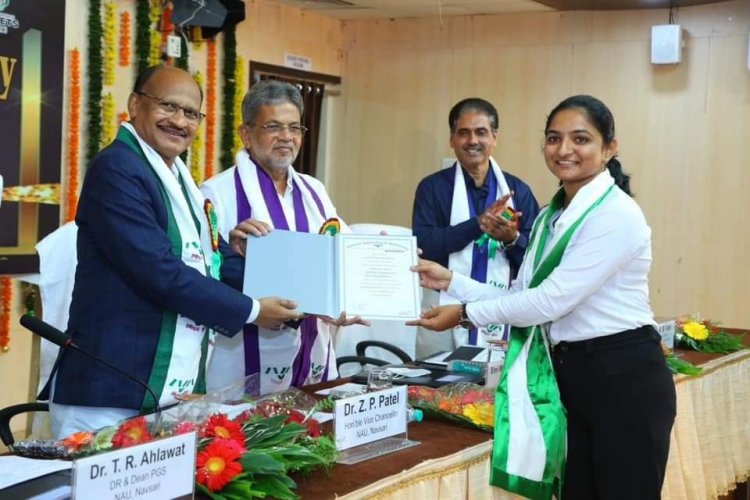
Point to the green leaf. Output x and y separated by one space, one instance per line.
677 365
242 489
258 462
277 487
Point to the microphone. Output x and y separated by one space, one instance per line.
49 332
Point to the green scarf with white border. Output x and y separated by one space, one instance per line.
184 345
529 451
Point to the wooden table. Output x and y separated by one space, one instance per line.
708 457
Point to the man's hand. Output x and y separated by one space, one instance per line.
433 275
494 224
439 319
275 311
344 321
238 235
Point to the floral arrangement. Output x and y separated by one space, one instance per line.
248 455
95 78
466 404
239 94
74 136
6 295
154 15
678 365
108 119
210 120
196 148
109 45
693 332
124 59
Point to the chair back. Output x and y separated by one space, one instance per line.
6 414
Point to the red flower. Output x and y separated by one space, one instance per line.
312 425
295 416
78 440
313 428
131 432
220 426
184 427
217 464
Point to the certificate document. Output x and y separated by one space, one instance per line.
364 275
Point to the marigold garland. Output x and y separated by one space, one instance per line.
239 94
110 35
210 108
124 39
7 299
226 154
142 35
196 149
108 119
167 28
94 68
154 16
74 135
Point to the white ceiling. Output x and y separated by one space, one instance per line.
361 9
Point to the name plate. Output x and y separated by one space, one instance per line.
156 470
666 329
370 417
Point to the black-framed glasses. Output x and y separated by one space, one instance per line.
274 128
170 108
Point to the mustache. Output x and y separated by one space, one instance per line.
174 130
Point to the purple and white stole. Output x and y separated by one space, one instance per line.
290 357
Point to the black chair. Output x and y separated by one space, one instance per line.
6 414
363 345
362 360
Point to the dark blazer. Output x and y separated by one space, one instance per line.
126 277
431 218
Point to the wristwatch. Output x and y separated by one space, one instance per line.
464 321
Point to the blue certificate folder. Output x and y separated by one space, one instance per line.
364 275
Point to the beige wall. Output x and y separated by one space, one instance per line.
682 129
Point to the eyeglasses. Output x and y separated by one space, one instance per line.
276 128
170 108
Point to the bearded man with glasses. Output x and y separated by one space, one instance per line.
147 296
260 193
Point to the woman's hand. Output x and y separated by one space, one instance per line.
238 235
439 319
433 275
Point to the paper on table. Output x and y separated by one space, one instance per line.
19 469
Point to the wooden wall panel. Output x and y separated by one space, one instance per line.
681 128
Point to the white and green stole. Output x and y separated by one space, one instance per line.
498 268
184 345
528 456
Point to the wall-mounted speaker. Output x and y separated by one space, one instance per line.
666 44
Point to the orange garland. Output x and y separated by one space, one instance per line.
74 123
210 108
7 295
123 117
125 39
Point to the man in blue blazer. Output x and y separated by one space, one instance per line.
455 207
147 295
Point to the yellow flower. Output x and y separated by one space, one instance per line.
480 413
695 330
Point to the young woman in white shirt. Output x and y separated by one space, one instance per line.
592 305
